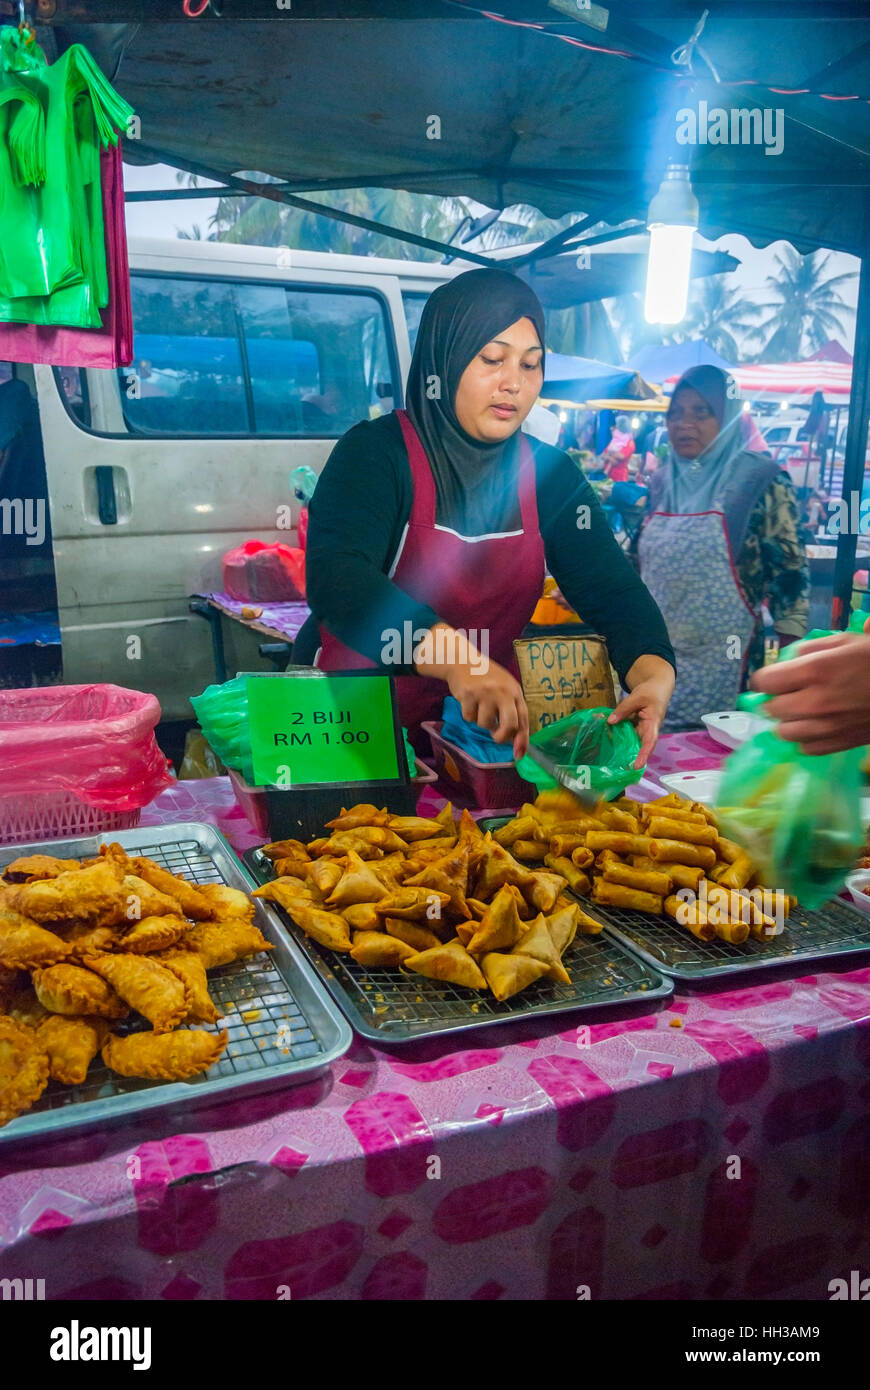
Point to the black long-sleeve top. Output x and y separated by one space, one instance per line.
360 508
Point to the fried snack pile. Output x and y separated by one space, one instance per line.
429 897
86 944
644 856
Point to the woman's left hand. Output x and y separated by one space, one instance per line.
652 684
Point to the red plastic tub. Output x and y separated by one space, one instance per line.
254 802
488 786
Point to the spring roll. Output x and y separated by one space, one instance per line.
683 876
670 800
520 828
692 916
615 819
738 873
574 877
618 840
728 850
648 810
656 882
701 810
679 852
627 803
581 857
578 826
529 849
616 895
661 829
566 844
719 868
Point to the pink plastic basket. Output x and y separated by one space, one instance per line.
26 820
76 760
485 785
253 799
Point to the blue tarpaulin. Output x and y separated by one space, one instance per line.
582 379
658 361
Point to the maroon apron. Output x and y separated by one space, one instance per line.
472 582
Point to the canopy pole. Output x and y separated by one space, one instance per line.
277 194
856 440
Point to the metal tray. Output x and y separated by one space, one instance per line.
386 1006
283 1029
833 930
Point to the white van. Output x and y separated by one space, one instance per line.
248 362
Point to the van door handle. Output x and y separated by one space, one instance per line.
107 505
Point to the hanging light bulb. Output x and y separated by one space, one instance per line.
672 220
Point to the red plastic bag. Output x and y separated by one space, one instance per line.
302 527
266 573
95 741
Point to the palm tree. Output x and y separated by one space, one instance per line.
806 306
720 316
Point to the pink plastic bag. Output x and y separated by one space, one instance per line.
110 346
266 573
94 741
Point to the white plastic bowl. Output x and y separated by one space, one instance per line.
694 786
731 727
855 882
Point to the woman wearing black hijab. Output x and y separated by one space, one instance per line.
430 528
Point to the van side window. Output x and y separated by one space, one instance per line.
318 360
186 376
72 382
216 358
414 303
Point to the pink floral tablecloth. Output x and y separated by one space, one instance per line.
717 1147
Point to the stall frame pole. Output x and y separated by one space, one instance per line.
856 437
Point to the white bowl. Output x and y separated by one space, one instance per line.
694 786
855 882
731 727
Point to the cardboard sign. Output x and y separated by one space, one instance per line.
561 674
328 731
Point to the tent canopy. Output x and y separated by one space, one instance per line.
579 379
833 379
440 97
659 362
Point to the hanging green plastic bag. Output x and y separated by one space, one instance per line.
796 814
600 755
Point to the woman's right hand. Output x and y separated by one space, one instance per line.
494 700
488 694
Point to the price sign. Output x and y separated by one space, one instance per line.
324 731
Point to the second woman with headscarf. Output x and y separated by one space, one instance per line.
721 540
439 520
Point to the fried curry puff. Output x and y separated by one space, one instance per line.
90 949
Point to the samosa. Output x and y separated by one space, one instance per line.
414 934
501 927
507 975
448 875
328 928
538 943
357 884
562 925
496 867
375 948
414 903
451 963
364 813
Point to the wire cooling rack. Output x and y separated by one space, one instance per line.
282 1028
386 1005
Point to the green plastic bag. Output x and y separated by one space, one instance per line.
600 755
797 815
50 194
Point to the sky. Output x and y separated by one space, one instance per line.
165 220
